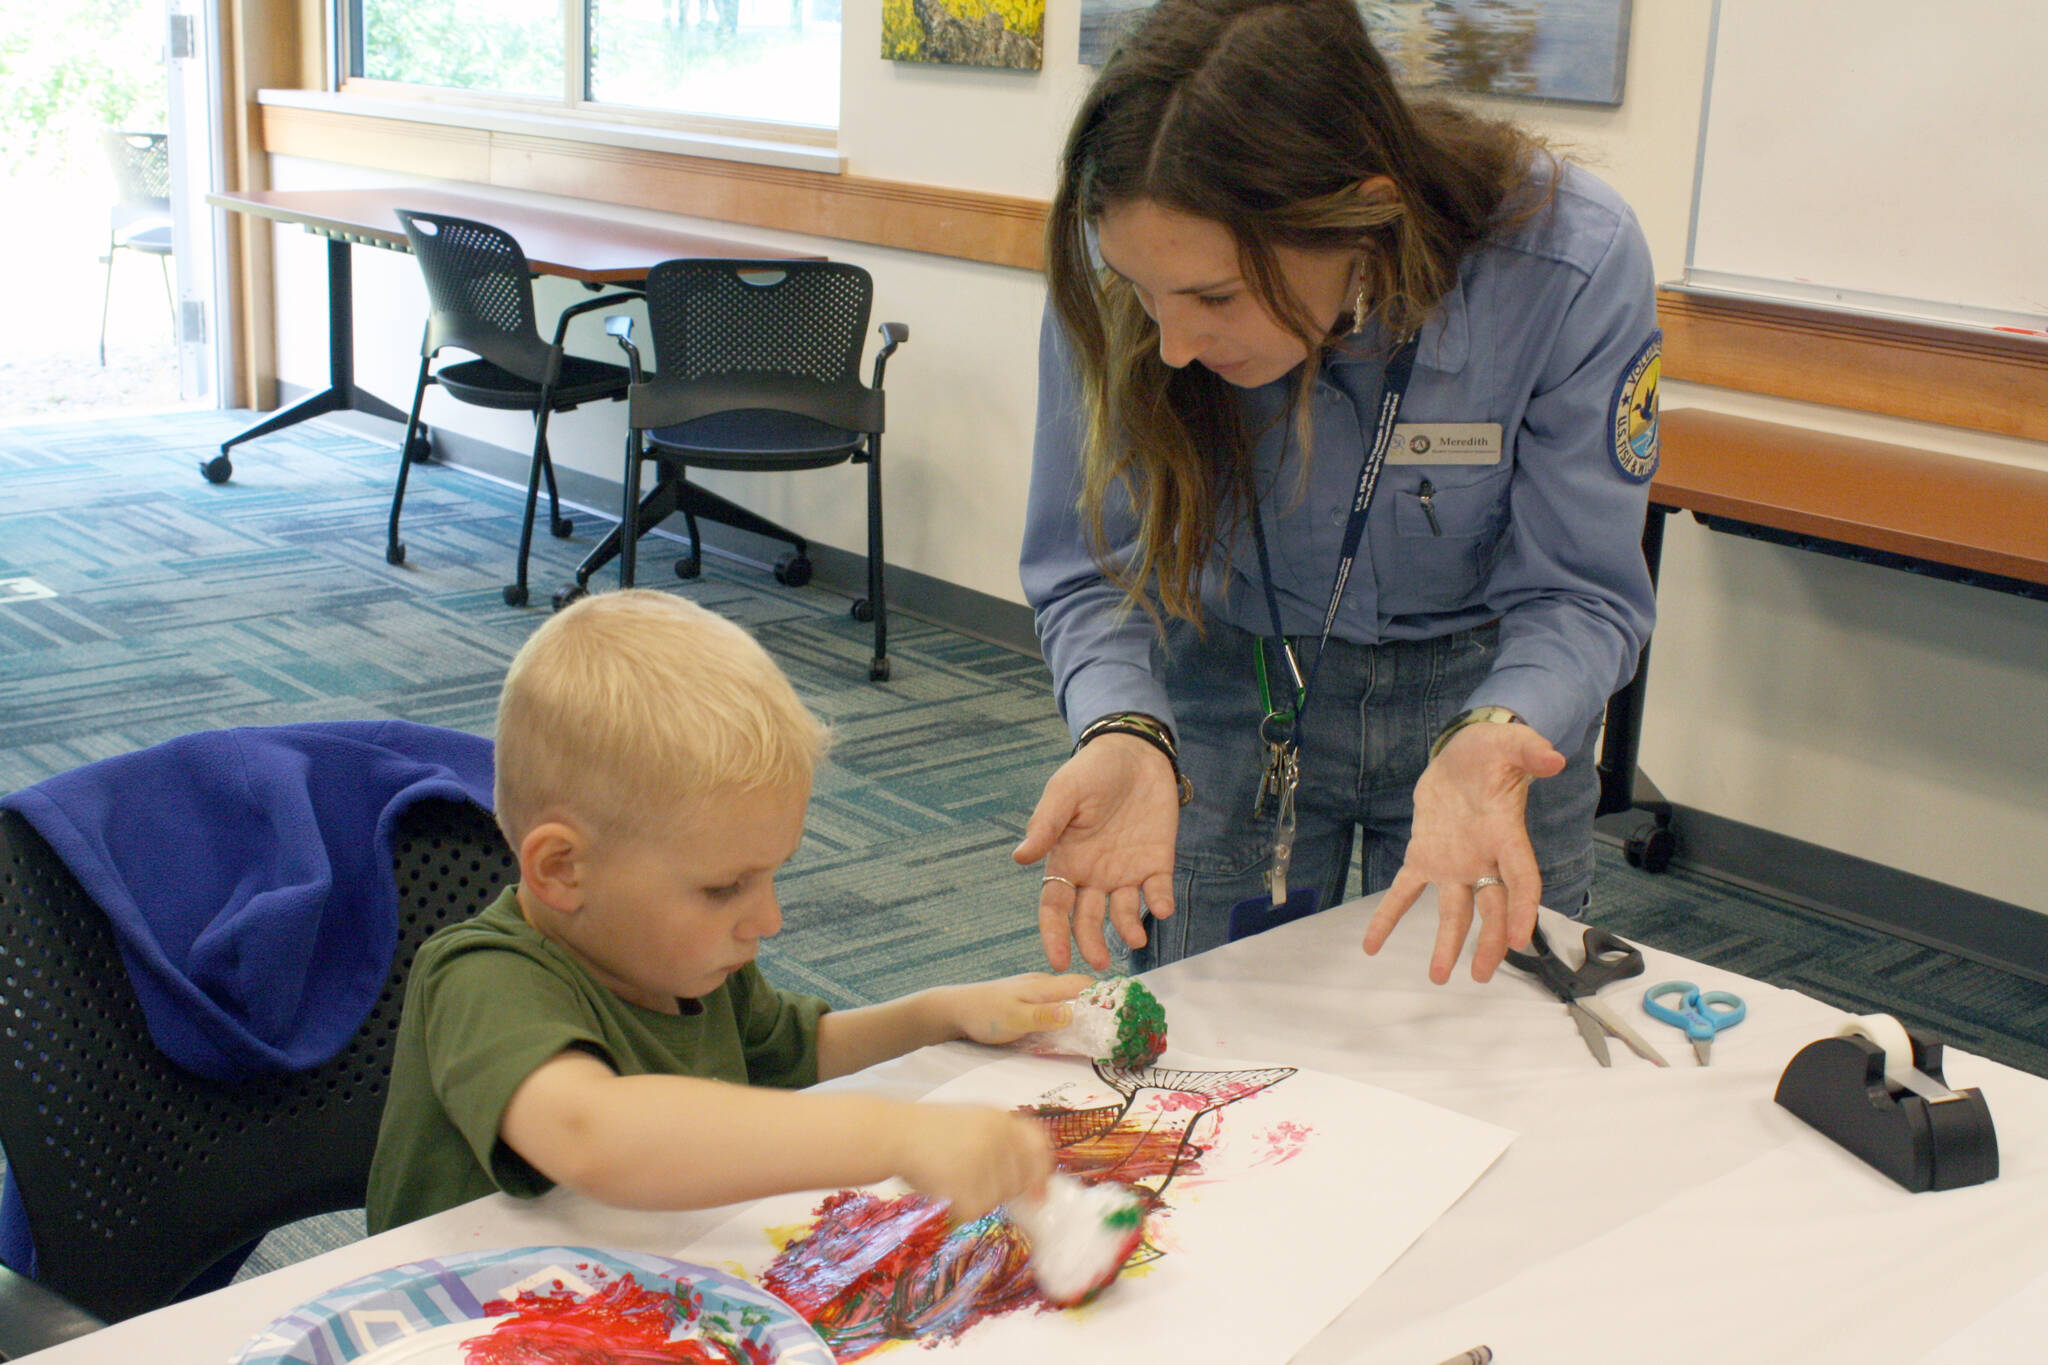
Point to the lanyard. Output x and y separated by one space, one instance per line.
1399 367
1283 767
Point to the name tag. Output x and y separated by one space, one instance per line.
1445 443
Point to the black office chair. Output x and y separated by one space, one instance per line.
138 1179
482 302
756 367
140 220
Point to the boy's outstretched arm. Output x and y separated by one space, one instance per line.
984 1012
682 1142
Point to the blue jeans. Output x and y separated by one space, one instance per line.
1375 710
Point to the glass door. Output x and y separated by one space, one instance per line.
193 81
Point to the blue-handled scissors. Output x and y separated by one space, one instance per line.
1702 1014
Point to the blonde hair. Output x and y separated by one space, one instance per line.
629 708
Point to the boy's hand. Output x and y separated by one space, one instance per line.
975 1158
1004 1011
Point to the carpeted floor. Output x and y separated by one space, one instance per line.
180 605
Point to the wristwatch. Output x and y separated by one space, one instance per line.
1478 715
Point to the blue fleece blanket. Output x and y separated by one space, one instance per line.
247 876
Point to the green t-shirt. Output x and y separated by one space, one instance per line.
490 1000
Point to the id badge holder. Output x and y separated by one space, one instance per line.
1257 914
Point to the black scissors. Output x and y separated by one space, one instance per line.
1608 960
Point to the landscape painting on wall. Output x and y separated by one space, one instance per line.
1008 34
1570 50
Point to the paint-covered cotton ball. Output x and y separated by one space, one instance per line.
1080 1235
1116 1021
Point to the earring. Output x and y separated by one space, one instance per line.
1358 309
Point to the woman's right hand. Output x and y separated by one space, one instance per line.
1106 823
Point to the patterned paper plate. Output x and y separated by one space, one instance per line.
433 1312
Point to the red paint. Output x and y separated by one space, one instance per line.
621 1323
858 1237
934 1286
1284 1141
874 1270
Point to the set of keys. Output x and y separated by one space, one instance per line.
1282 776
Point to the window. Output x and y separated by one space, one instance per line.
756 61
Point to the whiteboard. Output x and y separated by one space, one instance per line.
1887 156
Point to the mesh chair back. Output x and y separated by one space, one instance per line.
136 1176
481 292
716 318
141 163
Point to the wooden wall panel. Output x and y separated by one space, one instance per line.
429 149
996 229
1981 380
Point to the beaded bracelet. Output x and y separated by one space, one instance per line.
1148 728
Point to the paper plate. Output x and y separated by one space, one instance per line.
423 1312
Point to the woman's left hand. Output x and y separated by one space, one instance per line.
1470 805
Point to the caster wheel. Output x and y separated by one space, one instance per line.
219 469
878 671
394 553
570 594
420 448
689 568
793 571
1650 847
562 527
515 594
861 610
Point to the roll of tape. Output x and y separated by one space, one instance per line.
1889 1034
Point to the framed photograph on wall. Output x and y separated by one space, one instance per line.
1007 34
1575 51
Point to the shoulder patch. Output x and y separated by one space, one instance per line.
1635 413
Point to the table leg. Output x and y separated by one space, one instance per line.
341 393
1624 790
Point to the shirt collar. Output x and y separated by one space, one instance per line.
1446 339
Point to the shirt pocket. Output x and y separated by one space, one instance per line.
1448 524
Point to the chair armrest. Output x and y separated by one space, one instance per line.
620 328
894 334
33 1317
577 309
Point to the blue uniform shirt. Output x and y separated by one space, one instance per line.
1551 335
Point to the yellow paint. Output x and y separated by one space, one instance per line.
781 1236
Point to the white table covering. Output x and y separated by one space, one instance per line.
1641 1212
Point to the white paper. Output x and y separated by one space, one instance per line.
2012 1331
1302 1190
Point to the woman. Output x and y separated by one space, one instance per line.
1265 265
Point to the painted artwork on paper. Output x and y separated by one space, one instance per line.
873 1270
1244 1170
1007 34
1569 50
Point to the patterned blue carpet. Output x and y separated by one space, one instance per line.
180 605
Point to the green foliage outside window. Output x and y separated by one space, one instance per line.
511 46
71 68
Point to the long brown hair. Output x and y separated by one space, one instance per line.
1265 116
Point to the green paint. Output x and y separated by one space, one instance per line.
1140 1027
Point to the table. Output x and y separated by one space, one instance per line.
572 245
1946 516
1640 1211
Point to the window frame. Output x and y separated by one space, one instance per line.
570 107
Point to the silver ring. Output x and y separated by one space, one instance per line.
1053 877
1485 882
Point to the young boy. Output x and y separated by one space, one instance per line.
602 1025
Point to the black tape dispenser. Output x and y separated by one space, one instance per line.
1877 1089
